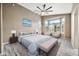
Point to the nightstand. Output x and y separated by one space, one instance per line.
13 39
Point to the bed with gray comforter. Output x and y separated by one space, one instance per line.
31 42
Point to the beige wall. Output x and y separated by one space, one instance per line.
67 30
13 17
75 26
67 24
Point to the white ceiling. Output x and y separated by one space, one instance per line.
58 8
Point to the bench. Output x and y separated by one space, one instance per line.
47 45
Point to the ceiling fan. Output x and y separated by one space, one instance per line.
44 9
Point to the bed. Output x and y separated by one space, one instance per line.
31 42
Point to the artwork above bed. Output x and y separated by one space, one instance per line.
27 22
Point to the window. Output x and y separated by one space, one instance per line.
54 25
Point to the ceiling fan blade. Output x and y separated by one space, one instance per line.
39 8
44 6
50 11
49 8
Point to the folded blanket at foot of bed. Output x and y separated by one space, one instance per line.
32 50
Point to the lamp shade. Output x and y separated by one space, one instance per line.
13 31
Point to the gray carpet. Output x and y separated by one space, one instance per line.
14 49
66 48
